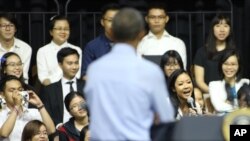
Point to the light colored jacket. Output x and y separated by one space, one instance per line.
218 94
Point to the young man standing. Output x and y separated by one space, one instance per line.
103 43
158 40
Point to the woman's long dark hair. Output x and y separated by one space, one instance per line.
170 54
211 39
166 58
244 92
171 86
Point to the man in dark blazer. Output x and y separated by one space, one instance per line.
53 95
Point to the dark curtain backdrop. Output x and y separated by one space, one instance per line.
241 16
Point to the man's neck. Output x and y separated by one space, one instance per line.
109 37
158 34
7 44
68 78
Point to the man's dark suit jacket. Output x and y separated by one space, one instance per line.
52 97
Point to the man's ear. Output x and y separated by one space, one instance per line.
141 34
146 19
60 65
167 19
102 22
50 32
1 95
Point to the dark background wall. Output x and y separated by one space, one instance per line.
240 9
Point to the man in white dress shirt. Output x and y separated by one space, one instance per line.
158 40
15 115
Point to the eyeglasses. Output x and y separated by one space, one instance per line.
108 19
44 133
61 29
175 65
80 105
151 17
230 64
5 26
15 64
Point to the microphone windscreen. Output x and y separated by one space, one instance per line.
190 100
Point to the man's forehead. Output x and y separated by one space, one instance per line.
13 84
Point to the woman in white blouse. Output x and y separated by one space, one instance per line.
224 92
48 68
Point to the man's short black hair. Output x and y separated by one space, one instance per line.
109 6
7 78
10 17
156 5
64 52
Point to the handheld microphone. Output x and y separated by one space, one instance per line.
190 101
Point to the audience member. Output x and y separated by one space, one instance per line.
181 89
54 94
243 95
15 116
199 98
11 64
205 103
35 130
170 61
158 40
9 43
124 109
104 42
78 123
47 65
223 92
206 59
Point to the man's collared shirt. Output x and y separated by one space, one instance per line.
25 117
66 90
94 50
123 92
150 45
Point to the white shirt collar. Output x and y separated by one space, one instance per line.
12 48
56 46
152 35
64 80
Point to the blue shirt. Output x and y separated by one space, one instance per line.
93 50
123 92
